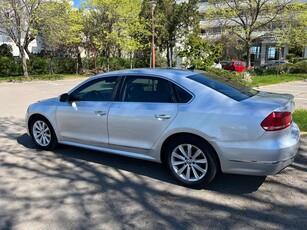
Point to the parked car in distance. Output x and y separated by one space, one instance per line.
236 66
274 63
195 123
224 63
278 62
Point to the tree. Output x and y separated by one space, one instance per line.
53 25
200 53
294 33
17 18
61 28
173 21
114 26
245 18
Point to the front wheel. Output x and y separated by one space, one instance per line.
191 161
43 134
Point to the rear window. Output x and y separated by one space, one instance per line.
225 86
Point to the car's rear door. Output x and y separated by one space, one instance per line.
83 119
144 111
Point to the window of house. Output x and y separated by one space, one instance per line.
271 53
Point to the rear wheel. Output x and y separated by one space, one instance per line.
43 134
191 161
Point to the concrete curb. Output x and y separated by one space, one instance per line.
303 134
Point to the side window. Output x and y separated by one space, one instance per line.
96 90
182 95
147 89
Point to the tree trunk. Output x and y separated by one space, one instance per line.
168 56
171 55
24 62
248 55
79 61
131 60
26 46
95 58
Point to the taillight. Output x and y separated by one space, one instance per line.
277 121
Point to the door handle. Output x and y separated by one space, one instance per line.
161 117
100 113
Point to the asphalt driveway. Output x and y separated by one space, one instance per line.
73 188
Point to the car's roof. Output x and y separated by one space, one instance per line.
168 73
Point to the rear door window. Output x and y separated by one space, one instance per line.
225 86
147 89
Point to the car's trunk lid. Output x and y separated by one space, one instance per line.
279 102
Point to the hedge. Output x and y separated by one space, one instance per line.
299 67
64 65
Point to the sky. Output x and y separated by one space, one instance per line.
77 3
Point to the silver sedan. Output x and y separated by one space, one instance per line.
196 123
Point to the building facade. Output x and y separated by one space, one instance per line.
266 47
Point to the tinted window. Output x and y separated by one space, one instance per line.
182 95
147 89
96 90
225 86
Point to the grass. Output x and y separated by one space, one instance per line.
274 79
300 118
42 77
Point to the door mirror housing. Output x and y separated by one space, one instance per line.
64 97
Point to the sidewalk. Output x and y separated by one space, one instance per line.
296 88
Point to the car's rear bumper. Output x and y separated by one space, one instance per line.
266 156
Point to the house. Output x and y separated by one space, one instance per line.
265 47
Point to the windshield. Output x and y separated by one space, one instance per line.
225 86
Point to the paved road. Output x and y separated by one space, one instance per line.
73 188
296 88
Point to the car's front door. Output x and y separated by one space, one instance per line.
83 119
145 110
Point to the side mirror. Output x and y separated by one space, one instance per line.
64 97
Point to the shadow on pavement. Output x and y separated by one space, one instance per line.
223 183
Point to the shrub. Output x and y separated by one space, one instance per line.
38 65
297 59
62 65
16 67
301 67
238 77
290 57
258 71
6 51
141 63
88 63
5 66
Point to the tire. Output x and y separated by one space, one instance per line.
191 161
42 133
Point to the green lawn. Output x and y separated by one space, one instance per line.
300 118
274 79
42 77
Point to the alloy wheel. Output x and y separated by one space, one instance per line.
41 133
189 162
